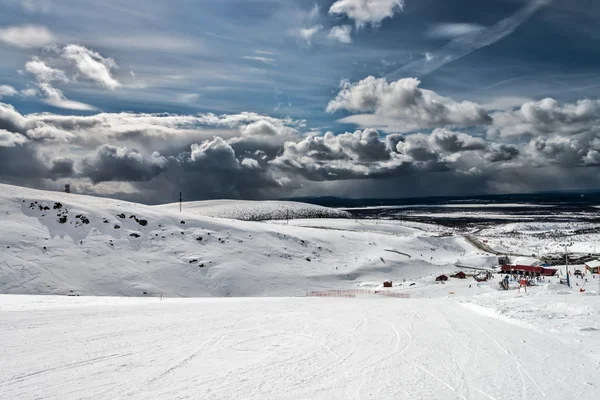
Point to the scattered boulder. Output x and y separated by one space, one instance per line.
57 206
182 222
135 235
122 216
83 218
199 238
62 219
117 226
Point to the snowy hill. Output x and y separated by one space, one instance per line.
256 210
58 243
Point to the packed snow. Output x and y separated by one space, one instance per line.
296 348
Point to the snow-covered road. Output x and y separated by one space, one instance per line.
281 348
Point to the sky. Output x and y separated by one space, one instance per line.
263 99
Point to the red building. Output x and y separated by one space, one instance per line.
533 270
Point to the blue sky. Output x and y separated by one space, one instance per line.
287 61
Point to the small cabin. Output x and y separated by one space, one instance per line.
593 266
459 275
387 284
441 278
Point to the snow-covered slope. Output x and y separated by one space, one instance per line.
60 348
57 243
256 210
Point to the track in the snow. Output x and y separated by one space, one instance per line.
279 348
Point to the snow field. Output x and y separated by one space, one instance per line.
283 348
57 243
256 210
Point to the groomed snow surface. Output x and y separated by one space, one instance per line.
289 348
458 340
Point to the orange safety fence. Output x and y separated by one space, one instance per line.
353 292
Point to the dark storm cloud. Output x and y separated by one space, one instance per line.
110 163
246 155
62 168
502 152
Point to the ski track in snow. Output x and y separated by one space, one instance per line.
279 348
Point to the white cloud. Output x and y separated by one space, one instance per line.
31 92
92 65
10 139
548 117
266 60
341 33
452 30
56 98
26 36
308 33
43 72
6 91
365 12
402 106
505 102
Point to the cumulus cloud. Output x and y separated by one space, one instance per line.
11 139
151 157
502 152
111 163
358 155
546 117
452 142
7 91
92 65
26 36
11 120
365 12
402 106
341 33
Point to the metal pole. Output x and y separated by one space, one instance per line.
567 264
180 199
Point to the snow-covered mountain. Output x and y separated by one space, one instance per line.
58 243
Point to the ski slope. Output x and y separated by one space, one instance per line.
67 348
68 244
